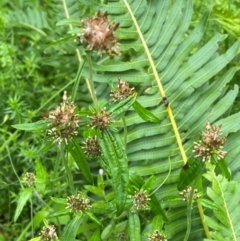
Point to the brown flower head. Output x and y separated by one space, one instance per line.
78 204
48 233
101 120
92 147
140 200
63 121
211 143
186 193
157 236
98 34
122 91
29 179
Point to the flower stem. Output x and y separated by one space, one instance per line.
90 83
65 160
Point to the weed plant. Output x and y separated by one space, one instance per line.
120 120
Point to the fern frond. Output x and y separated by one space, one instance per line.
225 195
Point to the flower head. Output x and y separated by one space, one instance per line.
101 120
157 236
63 122
122 91
186 193
78 204
29 179
98 34
140 200
92 147
211 143
48 233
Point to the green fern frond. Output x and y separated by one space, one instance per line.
225 225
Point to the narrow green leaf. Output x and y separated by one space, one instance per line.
207 203
157 223
80 158
67 21
39 125
24 196
60 41
93 218
144 113
224 168
115 157
59 200
70 232
156 207
95 190
134 227
107 231
41 175
96 235
189 173
121 107
148 186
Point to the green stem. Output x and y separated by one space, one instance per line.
125 130
90 83
189 211
205 227
65 161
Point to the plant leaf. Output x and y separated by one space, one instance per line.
225 195
116 159
71 230
24 196
39 125
144 113
80 158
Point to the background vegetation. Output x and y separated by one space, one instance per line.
39 60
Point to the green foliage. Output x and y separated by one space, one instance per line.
225 195
183 66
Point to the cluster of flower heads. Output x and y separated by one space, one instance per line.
157 236
98 34
211 144
92 147
78 204
63 121
122 91
48 233
101 120
187 192
140 200
29 179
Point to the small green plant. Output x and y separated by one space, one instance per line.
126 133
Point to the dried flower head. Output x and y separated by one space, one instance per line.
122 91
211 143
78 204
122 236
186 193
63 121
92 147
48 233
101 120
98 34
140 200
157 236
29 179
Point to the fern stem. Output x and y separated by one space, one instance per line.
160 86
205 227
71 27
